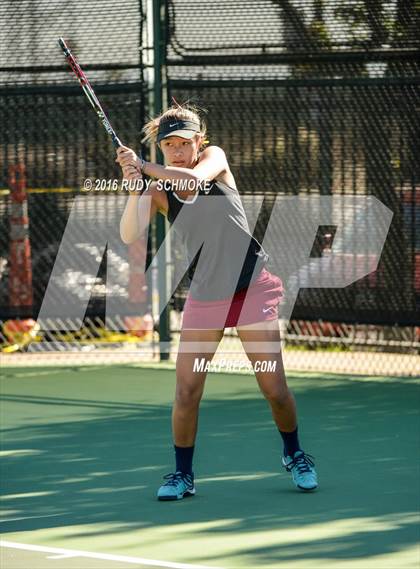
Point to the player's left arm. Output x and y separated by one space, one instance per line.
212 163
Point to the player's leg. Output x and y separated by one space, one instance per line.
196 348
262 345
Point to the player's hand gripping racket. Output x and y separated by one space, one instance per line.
89 92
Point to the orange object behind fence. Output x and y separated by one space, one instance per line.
20 273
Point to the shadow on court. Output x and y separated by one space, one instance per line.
84 452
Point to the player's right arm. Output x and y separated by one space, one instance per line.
138 213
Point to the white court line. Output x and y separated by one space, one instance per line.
105 556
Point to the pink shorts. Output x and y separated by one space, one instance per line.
258 303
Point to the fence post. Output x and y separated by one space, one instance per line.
159 87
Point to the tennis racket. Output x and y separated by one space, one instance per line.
89 92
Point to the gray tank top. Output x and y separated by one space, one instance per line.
220 249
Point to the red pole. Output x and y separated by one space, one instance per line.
20 274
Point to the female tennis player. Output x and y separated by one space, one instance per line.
251 306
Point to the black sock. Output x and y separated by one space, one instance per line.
183 457
291 442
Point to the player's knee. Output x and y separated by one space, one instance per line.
188 395
277 396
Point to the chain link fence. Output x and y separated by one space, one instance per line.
308 98
317 98
49 127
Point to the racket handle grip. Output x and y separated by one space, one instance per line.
116 141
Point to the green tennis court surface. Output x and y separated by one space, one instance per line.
85 449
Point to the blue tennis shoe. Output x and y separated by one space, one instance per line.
179 485
302 468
